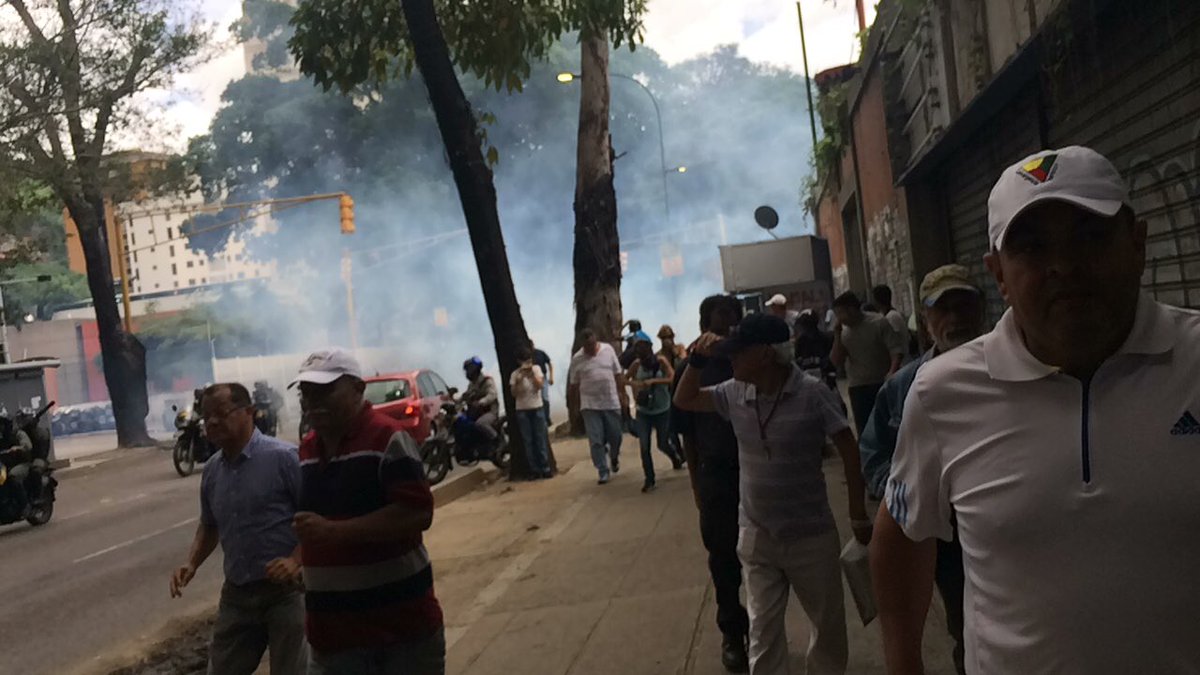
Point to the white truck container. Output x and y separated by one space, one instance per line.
797 267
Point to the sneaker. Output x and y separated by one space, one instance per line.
733 654
616 464
676 463
648 486
603 479
546 475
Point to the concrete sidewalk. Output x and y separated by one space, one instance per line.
567 577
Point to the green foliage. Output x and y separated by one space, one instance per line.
266 21
195 324
31 225
40 298
831 106
347 43
77 66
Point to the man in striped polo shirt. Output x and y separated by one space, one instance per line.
787 539
365 504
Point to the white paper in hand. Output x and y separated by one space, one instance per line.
858 575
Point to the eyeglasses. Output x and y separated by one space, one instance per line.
218 417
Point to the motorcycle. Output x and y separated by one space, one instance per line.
454 438
40 484
191 445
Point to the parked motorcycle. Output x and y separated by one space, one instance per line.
40 485
191 445
454 438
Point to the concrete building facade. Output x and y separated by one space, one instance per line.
950 92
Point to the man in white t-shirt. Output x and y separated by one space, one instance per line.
597 376
1063 446
778 305
882 295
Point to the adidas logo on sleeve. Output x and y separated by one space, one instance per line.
1186 426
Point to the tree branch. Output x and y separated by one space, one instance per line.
35 31
72 83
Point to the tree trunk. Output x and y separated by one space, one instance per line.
477 193
597 257
123 355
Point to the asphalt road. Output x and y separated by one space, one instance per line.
93 582
95 577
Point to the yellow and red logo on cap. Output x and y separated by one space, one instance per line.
1039 170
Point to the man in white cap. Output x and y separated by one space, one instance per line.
364 506
778 305
953 314
1063 446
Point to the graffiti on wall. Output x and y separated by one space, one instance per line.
1167 194
841 280
891 257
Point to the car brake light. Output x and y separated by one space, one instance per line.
409 410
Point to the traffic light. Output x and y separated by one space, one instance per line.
347 214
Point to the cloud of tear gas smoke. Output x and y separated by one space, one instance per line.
740 129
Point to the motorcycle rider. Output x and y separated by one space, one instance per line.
482 398
268 400
18 460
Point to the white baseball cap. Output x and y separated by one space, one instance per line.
777 300
1076 175
327 365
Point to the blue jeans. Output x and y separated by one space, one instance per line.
660 425
604 433
532 424
419 658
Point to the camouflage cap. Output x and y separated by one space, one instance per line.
946 278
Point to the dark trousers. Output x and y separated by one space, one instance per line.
718 487
660 426
950 581
253 619
862 402
532 424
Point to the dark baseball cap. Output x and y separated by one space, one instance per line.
755 329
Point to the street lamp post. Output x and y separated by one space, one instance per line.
567 78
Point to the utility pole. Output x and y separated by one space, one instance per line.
348 279
812 114
123 270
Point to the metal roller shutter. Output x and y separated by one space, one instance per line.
1129 86
967 181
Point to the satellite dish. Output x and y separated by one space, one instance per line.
766 217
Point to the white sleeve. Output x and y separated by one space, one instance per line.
720 396
917 495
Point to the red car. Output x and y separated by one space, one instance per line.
414 398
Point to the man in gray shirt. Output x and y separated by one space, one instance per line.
787 537
249 494
870 349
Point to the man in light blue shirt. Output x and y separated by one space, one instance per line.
953 312
249 494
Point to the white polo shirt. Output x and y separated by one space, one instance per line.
1078 506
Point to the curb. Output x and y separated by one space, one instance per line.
460 486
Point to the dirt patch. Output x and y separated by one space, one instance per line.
184 653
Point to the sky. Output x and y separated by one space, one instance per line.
765 31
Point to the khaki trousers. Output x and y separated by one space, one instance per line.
810 567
